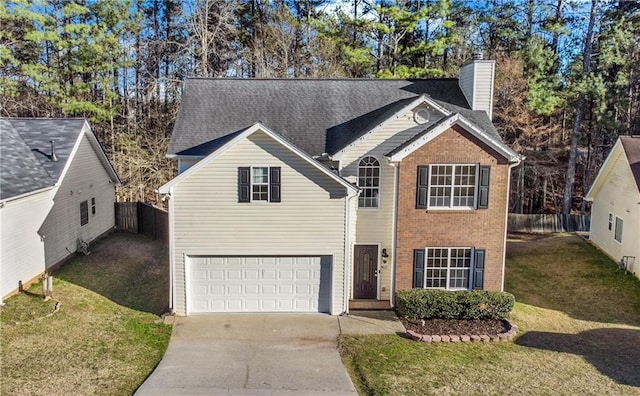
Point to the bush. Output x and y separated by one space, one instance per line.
464 304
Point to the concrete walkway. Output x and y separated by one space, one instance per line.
260 354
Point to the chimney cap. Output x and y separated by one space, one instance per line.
476 55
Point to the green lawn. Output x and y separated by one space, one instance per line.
105 337
579 320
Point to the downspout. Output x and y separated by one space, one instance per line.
347 253
172 283
394 232
506 223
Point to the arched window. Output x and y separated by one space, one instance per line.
369 182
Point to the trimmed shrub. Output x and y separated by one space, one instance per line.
463 304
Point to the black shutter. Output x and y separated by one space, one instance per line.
423 187
483 187
478 270
274 184
418 268
244 184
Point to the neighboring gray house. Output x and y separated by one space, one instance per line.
615 210
288 192
57 189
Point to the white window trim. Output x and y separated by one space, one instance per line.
363 188
610 223
471 266
93 206
251 184
615 227
87 223
475 191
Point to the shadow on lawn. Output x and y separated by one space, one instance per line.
128 269
615 352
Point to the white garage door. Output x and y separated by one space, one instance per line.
259 284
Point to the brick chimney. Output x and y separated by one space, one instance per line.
476 82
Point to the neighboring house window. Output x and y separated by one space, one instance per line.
449 268
369 182
84 213
443 186
93 206
259 184
610 221
617 235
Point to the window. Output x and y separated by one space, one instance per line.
369 182
93 206
259 184
617 235
449 268
443 186
84 213
610 221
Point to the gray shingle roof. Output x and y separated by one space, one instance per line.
25 148
631 146
315 115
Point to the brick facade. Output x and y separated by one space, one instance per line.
482 229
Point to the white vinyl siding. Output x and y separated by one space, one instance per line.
376 226
476 82
617 195
208 220
85 179
20 243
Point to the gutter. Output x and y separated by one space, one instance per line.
394 232
506 223
2 202
347 253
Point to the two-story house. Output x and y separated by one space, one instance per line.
298 195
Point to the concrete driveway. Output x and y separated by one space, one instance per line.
251 354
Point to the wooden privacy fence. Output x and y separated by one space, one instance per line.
547 223
144 219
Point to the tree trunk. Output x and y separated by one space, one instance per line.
573 153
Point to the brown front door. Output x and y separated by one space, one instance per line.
365 280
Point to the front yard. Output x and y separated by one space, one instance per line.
106 335
579 320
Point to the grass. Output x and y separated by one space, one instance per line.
105 338
578 317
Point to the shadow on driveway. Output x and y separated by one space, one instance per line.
615 352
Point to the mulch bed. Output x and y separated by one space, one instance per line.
455 326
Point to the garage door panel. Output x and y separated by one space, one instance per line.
259 284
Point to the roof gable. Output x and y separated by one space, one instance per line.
28 165
316 115
631 145
444 124
230 141
629 148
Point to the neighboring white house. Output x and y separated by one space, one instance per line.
615 197
57 190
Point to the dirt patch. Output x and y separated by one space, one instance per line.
455 326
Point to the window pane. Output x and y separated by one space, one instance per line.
84 213
260 175
260 192
369 182
448 268
618 232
